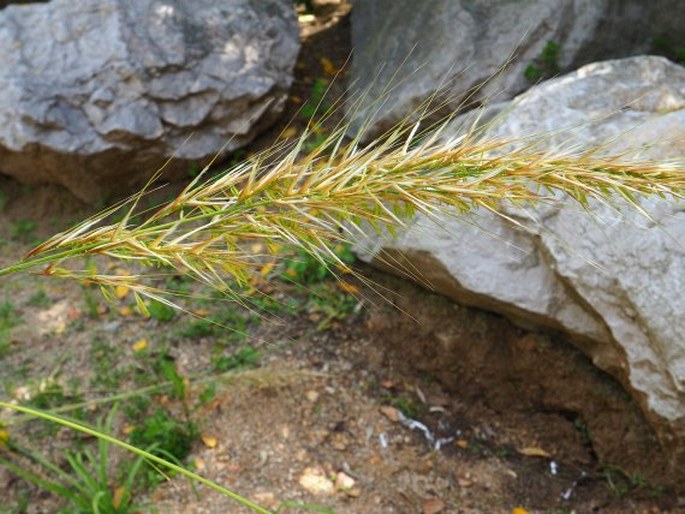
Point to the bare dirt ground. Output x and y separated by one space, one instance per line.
326 397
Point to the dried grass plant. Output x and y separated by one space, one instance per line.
313 200
334 194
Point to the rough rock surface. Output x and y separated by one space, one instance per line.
614 280
97 94
395 46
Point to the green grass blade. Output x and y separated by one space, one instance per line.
137 451
53 487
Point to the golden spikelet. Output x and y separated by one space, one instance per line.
323 197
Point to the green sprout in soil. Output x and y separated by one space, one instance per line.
86 483
546 65
8 320
165 435
23 231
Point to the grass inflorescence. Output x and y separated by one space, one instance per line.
226 229
331 196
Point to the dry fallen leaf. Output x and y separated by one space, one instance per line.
390 412
119 496
355 492
266 269
348 288
209 441
60 327
464 482
519 510
328 67
126 311
534 452
288 133
433 505
121 291
140 345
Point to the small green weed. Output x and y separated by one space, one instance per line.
546 65
91 299
305 269
198 328
179 284
105 359
328 304
193 170
166 367
165 436
237 157
23 231
315 104
87 485
245 358
662 45
206 396
135 407
231 324
49 394
266 303
21 502
39 299
406 405
314 140
621 482
8 313
160 311
8 320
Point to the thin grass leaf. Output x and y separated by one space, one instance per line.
137 451
53 487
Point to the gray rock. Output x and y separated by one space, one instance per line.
614 279
98 94
405 51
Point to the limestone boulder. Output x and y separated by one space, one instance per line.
612 278
96 95
406 51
